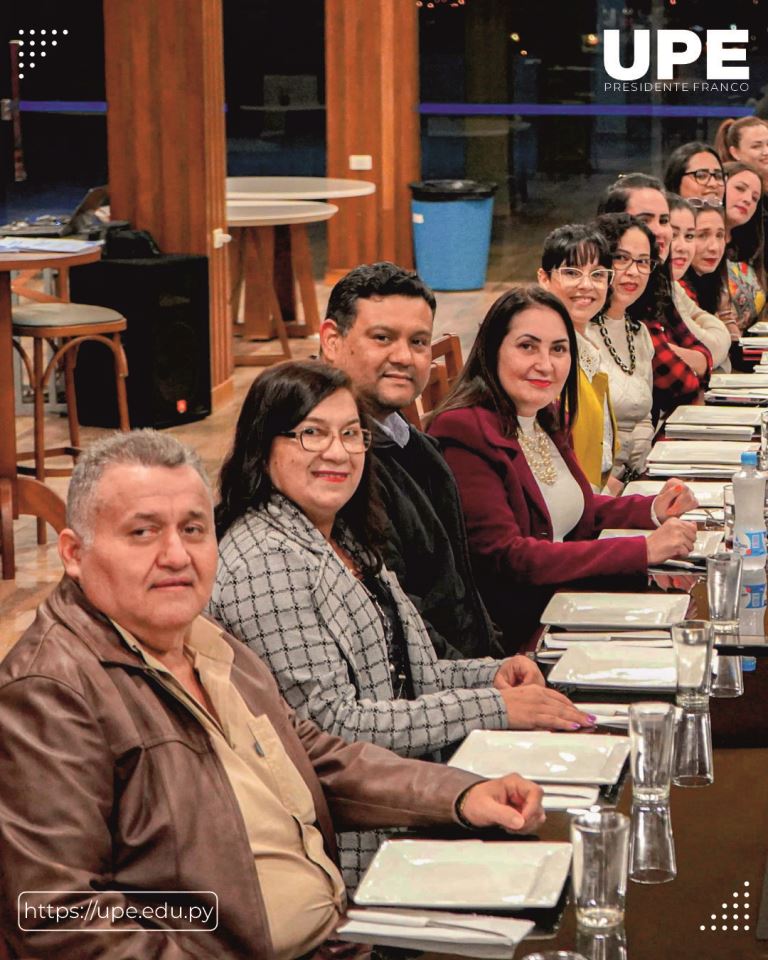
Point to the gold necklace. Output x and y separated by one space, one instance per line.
538 453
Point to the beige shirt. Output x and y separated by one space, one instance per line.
302 888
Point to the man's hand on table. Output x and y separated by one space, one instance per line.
510 802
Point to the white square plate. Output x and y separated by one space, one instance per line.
707 541
739 416
619 611
623 668
758 329
737 381
465 874
545 757
695 452
709 494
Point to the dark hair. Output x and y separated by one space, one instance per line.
277 400
383 279
729 135
616 197
574 245
709 287
656 303
746 243
676 202
479 383
678 161
613 226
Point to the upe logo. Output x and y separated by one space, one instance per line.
675 48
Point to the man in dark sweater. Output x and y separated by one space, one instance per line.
378 329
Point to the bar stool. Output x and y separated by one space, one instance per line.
65 326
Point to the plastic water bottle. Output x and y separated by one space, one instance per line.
749 517
752 603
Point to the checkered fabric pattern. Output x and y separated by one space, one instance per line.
673 380
282 590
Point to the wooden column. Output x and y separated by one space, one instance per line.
372 98
166 139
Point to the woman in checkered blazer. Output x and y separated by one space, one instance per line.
301 582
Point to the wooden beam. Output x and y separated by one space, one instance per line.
372 98
166 139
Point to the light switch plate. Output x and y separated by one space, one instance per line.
360 161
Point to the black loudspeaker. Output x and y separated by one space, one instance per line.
165 301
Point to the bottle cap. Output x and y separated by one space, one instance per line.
749 458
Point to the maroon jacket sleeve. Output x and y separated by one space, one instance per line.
506 540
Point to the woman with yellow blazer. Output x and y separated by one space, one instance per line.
576 267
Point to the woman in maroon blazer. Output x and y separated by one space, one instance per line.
531 516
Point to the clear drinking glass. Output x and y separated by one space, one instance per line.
601 944
651 844
692 641
556 955
723 591
728 515
728 677
693 766
652 739
600 839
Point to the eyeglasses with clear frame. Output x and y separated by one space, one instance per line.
572 276
622 261
704 203
319 439
702 176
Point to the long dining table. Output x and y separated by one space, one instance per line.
716 908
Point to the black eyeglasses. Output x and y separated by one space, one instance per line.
319 439
622 261
701 203
703 175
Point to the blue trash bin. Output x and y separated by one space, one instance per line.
452 232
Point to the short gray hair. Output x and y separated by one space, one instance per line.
146 448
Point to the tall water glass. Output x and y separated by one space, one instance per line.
723 591
728 677
600 839
651 844
692 641
728 516
652 739
693 766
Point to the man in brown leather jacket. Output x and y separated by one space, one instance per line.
158 798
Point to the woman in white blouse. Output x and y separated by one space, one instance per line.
625 346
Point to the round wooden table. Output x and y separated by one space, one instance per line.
22 495
248 189
253 256
296 188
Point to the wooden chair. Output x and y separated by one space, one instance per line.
442 376
435 391
64 326
448 349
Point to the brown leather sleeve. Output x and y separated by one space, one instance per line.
57 780
367 786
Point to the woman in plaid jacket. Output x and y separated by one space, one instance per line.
301 582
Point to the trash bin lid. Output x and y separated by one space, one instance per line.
452 189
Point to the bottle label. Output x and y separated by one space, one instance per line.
751 543
755 596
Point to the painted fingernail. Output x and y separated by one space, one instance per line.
592 717
575 726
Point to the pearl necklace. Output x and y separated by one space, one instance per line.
628 369
538 453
